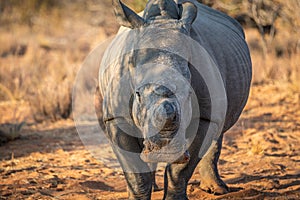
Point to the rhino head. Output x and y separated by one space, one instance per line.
161 104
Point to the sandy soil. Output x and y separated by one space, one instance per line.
260 158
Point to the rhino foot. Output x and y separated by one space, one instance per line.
156 188
210 180
214 187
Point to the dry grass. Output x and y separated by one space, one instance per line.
280 63
39 76
39 57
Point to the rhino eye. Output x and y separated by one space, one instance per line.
163 91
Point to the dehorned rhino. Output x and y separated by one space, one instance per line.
174 79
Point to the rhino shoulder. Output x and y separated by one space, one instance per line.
221 18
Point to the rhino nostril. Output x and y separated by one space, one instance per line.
171 112
169 108
165 117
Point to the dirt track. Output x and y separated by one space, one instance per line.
260 158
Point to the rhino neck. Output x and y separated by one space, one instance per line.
161 9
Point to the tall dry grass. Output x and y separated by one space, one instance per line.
43 44
41 77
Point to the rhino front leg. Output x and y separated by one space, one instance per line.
155 187
177 177
138 185
210 179
137 173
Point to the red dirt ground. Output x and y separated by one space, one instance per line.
260 158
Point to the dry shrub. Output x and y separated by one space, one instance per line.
270 68
52 99
12 71
42 78
50 93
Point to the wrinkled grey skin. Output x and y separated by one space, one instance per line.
153 107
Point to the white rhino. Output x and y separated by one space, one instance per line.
173 80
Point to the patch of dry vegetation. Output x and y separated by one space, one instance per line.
43 44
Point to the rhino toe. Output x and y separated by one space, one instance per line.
156 188
214 187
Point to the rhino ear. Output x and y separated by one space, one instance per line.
189 14
125 16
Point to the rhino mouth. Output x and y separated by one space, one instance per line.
165 150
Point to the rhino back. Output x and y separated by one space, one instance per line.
224 40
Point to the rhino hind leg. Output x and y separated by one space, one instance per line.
208 169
